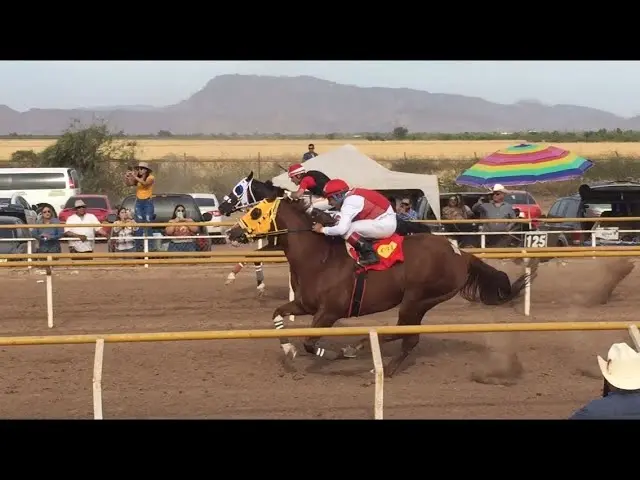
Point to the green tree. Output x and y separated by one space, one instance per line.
400 133
100 156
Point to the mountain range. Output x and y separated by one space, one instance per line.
248 104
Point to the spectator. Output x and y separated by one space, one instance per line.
477 207
310 154
85 235
177 230
621 387
405 212
48 238
497 209
123 230
456 209
143 179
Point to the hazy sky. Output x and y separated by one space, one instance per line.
611 86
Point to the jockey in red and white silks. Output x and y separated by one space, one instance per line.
364 215
312 181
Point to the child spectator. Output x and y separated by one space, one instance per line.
123 233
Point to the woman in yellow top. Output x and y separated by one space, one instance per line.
142 178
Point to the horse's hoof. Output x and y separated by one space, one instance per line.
349 352
230 279
289 350
260 289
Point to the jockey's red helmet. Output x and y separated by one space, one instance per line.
296 169
335 186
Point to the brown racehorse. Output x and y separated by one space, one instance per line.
433 272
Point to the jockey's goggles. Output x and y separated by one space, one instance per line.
338 197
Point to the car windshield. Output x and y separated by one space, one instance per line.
519 199
164 206
205 202
92 202
4 202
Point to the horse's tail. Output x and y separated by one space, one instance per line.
490 285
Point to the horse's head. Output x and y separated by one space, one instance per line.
241 194
247 192
272 216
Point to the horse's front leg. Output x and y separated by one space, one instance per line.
322 320
259 279
234 271
289 308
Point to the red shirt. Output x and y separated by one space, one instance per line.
307 182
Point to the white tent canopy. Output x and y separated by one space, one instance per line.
358 170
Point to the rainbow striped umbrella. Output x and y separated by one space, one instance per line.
525 164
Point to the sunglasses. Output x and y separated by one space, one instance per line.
180 210
46 211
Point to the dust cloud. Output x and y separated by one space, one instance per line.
501 365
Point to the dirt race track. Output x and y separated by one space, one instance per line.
245 378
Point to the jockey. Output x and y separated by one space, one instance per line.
312 181
364 215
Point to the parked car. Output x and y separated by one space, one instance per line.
17 206
525 203
164 204
610 199
99 205
208 202
19 234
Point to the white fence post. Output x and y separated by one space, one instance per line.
49 288
97 379
378 368
146 248
292 296
29 252
635 336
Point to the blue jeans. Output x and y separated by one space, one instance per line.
143 214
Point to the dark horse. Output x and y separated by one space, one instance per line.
433 272
249 191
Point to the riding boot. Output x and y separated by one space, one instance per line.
364 247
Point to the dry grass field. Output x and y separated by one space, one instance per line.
287 149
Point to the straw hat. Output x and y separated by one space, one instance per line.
622 367
144 165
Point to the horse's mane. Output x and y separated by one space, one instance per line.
275 190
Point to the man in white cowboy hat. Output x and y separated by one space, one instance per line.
497 208
143 179
85 235
621 392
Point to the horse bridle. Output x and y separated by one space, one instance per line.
240 203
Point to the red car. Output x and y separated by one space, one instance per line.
99 205
524 201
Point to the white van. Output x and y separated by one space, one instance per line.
40 185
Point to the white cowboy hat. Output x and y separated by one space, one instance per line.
79 203
144 165
498 187
622 367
